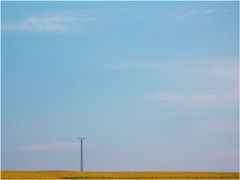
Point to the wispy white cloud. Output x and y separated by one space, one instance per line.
56 146
213 68
209 82
77 20
55 23
216 99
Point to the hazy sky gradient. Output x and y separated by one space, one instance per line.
152 85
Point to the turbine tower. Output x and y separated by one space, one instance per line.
81 152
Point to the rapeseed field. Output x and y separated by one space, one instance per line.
48 174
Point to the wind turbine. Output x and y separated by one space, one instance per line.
81 152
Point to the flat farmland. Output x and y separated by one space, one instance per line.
57 174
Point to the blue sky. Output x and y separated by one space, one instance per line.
152 85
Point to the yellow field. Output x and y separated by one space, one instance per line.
116 175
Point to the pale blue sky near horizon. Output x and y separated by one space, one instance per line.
153 86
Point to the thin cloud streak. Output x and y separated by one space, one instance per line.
217 99
56 146
69 21
221 69
48 23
